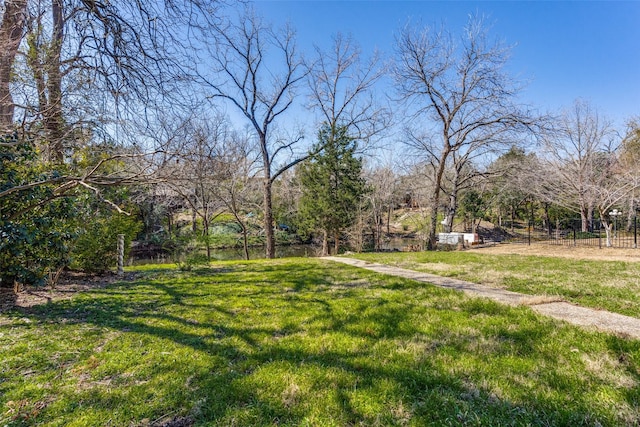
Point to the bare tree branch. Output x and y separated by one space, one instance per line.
460 97
261 92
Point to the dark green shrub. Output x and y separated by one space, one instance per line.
96 248
36 225
583 235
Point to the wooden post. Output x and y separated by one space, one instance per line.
120 254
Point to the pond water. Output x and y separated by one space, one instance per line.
257 252
400 243
228 254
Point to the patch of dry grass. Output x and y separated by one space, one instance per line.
569 252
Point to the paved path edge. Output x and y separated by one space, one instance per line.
625 326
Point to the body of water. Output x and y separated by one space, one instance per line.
228 254
285 251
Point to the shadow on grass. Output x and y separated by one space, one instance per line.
290 344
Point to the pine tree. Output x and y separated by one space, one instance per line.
332 186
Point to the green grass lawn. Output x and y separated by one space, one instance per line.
607 285
304 342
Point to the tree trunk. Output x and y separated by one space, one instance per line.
435 197
630 213
53 117
374 234
268 220
433 223
325 243
205 234
378 232
44 60
607 230
584 219
336 243
548 219
245 240
451 211
11 33
453 203
389 213
513 218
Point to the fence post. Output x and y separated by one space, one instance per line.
600 236
635 232
120 254
529 228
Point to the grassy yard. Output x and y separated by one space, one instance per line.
305 342
608 285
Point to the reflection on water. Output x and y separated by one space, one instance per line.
229 254
258 252
400 243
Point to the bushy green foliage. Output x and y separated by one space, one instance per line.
473 205
46 224
332 184
35 245
95 250
35 224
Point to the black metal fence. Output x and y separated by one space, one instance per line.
621 234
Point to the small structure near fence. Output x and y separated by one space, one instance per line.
458 238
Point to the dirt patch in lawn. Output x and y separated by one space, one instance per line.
572 252
69 285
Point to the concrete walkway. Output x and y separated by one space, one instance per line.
587 317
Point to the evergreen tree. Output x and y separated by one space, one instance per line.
332 186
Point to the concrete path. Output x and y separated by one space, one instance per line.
587 317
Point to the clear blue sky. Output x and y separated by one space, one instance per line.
567 50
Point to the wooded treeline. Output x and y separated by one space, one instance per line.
167 120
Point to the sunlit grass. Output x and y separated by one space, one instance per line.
608 285
304 342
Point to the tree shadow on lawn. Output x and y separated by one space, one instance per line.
343 363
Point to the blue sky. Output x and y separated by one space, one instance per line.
567 50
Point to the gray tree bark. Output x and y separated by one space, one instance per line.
12 31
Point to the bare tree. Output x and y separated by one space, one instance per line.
461 100
236 170
262 88
342 89
513 179
578 155
195 173
45 41
587 168
382 182
630 161
461 175
130 53
12 28
135 54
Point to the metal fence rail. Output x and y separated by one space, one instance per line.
570 233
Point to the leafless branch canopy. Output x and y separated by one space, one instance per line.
342 89
459 98
257 71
